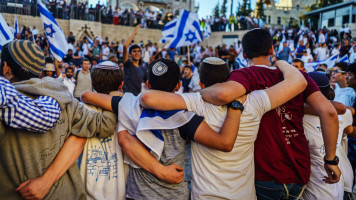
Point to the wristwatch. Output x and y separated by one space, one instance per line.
236 105
335 161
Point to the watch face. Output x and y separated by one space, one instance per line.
235 104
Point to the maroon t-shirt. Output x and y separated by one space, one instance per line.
281 148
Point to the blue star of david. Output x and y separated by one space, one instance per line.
190 36
49 29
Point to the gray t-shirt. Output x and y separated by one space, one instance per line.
83 83
143 185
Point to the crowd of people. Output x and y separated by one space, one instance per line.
111 119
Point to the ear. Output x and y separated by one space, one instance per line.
121 85
177 86
149 84
245 56
7 71
271 50
202 85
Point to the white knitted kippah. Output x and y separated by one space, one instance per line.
214 61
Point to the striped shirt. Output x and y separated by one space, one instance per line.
19 111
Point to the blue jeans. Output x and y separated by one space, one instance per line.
271 190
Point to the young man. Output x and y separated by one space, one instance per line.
322 52
343 93
187 77
298 63
135 73
69 81
83 79
285 52
227 175
147 182
38 151
281 150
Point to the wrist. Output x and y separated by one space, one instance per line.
48 179
158 171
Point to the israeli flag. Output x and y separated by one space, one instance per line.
187 32
168 31
243 62
345 58
6 35
16 27
55 35
90 41
260 23
330 62
207 31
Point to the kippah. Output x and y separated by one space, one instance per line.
159 68
27 55
214 61
320 79
108 65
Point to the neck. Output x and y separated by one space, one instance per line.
342 84
85 71
135 63
262 60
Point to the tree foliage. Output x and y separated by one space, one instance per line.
216 11
223 9
260 9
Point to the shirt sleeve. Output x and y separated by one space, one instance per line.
259 101
188 130
194 102
243 77
115 100
21 112
311 87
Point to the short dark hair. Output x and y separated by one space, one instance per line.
169 80
297 60
69 68
135 46
256 42
352 68
328 92
19 73
211 74
85 59
342 66
106 81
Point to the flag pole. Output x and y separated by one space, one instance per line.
188 56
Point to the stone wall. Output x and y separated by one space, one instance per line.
82 28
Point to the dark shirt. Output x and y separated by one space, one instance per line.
134 76
344 50
68 58
300 50
223 53
185 84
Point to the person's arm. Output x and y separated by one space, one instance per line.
164 101
18 108
223 93
339 107
293 84
97 99
329 127
58 73
138 153
127 43
38 188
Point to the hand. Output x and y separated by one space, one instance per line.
333 172
36 188
172 174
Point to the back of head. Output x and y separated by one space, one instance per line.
25 59
163 74
107 77
323 83
213 70
352 68
256 42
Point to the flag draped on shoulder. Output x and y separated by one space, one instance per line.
55 35
6 35
16 27
243 62
207 31
187 30
168 31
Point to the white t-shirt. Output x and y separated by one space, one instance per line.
70 83
86 47
316 187
346 95
121 49
321 38
306 58
194 83
352 57
105 53
102 168
226 175
322 53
